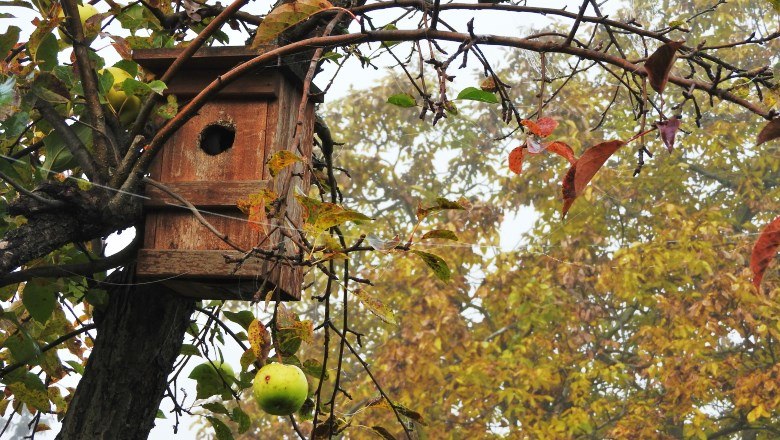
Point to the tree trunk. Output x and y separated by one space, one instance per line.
138 340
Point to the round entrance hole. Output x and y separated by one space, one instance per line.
216 138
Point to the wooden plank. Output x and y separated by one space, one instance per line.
204 194
222 58
210 268
184 161
256 85
179 229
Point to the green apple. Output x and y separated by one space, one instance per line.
126 107
280 389
85 12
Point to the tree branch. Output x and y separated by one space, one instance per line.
48 347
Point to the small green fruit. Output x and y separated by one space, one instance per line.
85 12
126 107
280 389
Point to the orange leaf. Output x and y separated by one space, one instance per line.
769 132
583 170
541 127
659 64
765 250
563 150
516 159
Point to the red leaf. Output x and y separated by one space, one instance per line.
765 250
668 130
563 150
516 159
660 63
583 170
541 127
769 132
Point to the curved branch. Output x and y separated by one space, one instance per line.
68 270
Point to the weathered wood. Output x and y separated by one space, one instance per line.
221 58
201 164
208 274
204 194
263 84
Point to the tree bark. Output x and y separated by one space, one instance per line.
138 340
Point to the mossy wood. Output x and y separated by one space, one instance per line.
218 157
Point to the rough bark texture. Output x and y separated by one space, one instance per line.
138 340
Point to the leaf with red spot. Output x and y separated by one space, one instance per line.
562 150
541 127
769 132
765 250
583 170
516 159
668 130
660 63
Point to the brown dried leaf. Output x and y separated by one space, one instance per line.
764 250
259 340
516 159
668 130
489 85
769 132
583 170
660 63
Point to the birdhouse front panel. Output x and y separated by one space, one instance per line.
217 158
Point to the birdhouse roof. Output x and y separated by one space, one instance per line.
222 58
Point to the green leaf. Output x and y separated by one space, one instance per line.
77 367
128 66
189 350
475 94
22 347
243 420
440 233
211 381
9 39
220 429
46 54
9 98
376 307
216 408
243 318
313 368
39 299
281 160
402 100
168 110
307 410
284 16
160 415
436 263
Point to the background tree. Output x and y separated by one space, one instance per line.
633 318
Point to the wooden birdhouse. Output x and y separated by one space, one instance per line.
217 158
